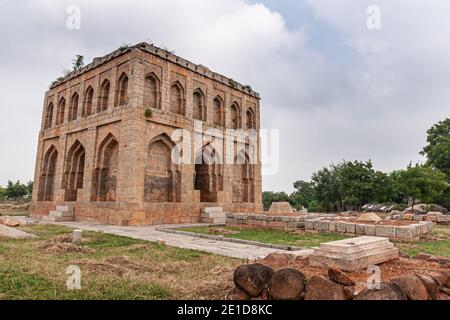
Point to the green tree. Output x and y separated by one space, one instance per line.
2 193
29 188
421 182
328 195
269 196
16 190
438 149
303 196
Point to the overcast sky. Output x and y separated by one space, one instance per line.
335 88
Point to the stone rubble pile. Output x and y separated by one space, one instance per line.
261 282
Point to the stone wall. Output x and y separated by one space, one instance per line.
329 223
389 230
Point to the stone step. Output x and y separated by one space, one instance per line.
57 213
214 220
353 264
354 244
213 215
355 254
64 208
56 219
212 209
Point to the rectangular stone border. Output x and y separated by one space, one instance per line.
174 230
410 232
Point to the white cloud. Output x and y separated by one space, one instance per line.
378 104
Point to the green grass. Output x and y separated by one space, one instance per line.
439 246
303 240
120 268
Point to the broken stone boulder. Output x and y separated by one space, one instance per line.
340 277
9 232
411 286
9 221
387 291
418 209
277 260
286 284
437 208
252 278
320 288
430 284
369 217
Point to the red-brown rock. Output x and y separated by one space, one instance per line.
286 284
442 296
321 288
9 221
264 296
252 278
440 277
430 284
387 291
340 277
276 260
411 286
236 294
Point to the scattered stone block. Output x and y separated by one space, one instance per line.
9 232
76 236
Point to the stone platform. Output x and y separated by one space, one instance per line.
353 254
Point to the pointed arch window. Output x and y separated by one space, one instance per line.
60 111
122 90
48 116
73 108
218 111
88 101
152 91
199 111
104 96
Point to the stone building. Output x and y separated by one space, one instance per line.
107 141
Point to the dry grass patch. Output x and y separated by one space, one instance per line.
112 267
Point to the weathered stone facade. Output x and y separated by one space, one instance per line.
106 140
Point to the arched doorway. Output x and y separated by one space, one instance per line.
104 182
208 174
162 176
47 179
74 171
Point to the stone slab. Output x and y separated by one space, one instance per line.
353 244
353 264
9 232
